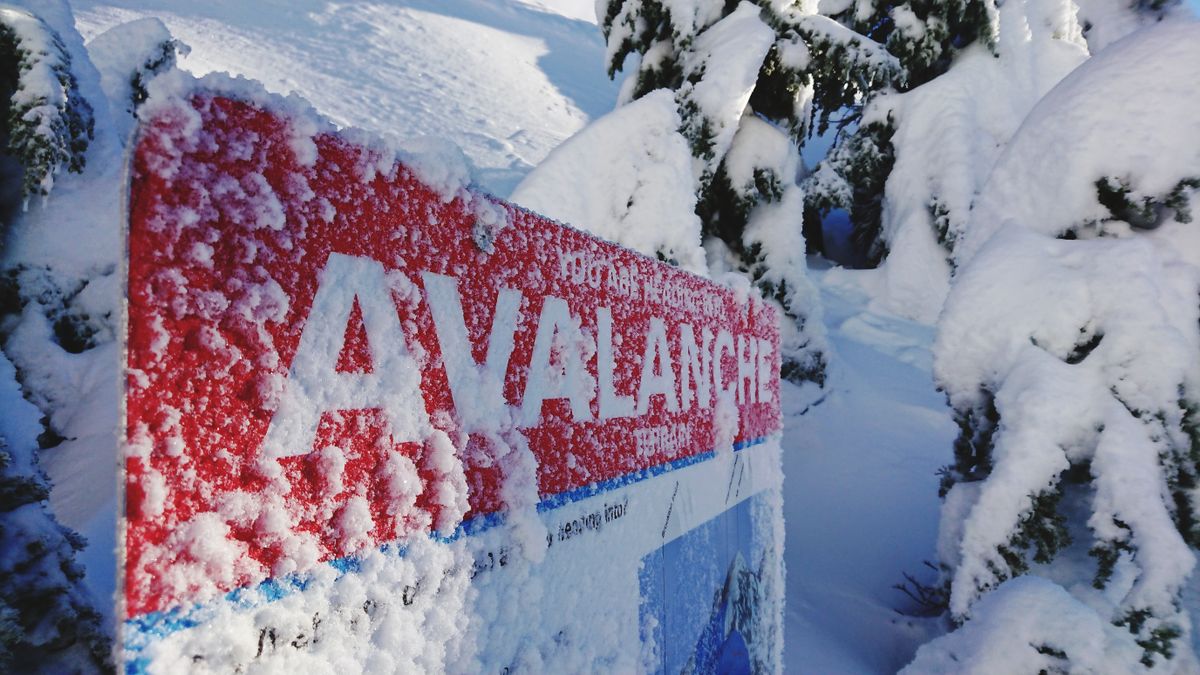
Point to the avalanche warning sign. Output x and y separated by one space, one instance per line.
376 420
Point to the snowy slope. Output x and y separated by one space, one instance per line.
505 80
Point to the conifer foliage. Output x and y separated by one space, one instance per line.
1068 348
812 71
50 326
923 37
47 621
47 123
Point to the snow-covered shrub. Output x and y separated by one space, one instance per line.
1069 348
47 622
60 297
48 124
740 102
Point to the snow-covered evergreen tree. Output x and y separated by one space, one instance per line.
924 38
818 65
1070 349
908 174
59 362
724 61
751 82
47 621
47 123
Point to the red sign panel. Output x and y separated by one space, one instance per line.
325 354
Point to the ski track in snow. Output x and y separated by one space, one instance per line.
861 505
507 81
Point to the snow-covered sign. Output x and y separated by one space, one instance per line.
375 420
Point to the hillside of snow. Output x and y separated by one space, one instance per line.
505 81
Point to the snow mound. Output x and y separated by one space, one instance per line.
1029 625
629 180
1128 114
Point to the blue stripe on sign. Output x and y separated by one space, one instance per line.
144 629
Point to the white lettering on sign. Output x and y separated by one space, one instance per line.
747 369
612 404
314 386
664 440
478 392
695 368
724 344
556 369
766 371
557 333
661 382
599 272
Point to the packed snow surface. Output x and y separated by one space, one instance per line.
860 491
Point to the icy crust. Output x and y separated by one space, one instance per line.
411 379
